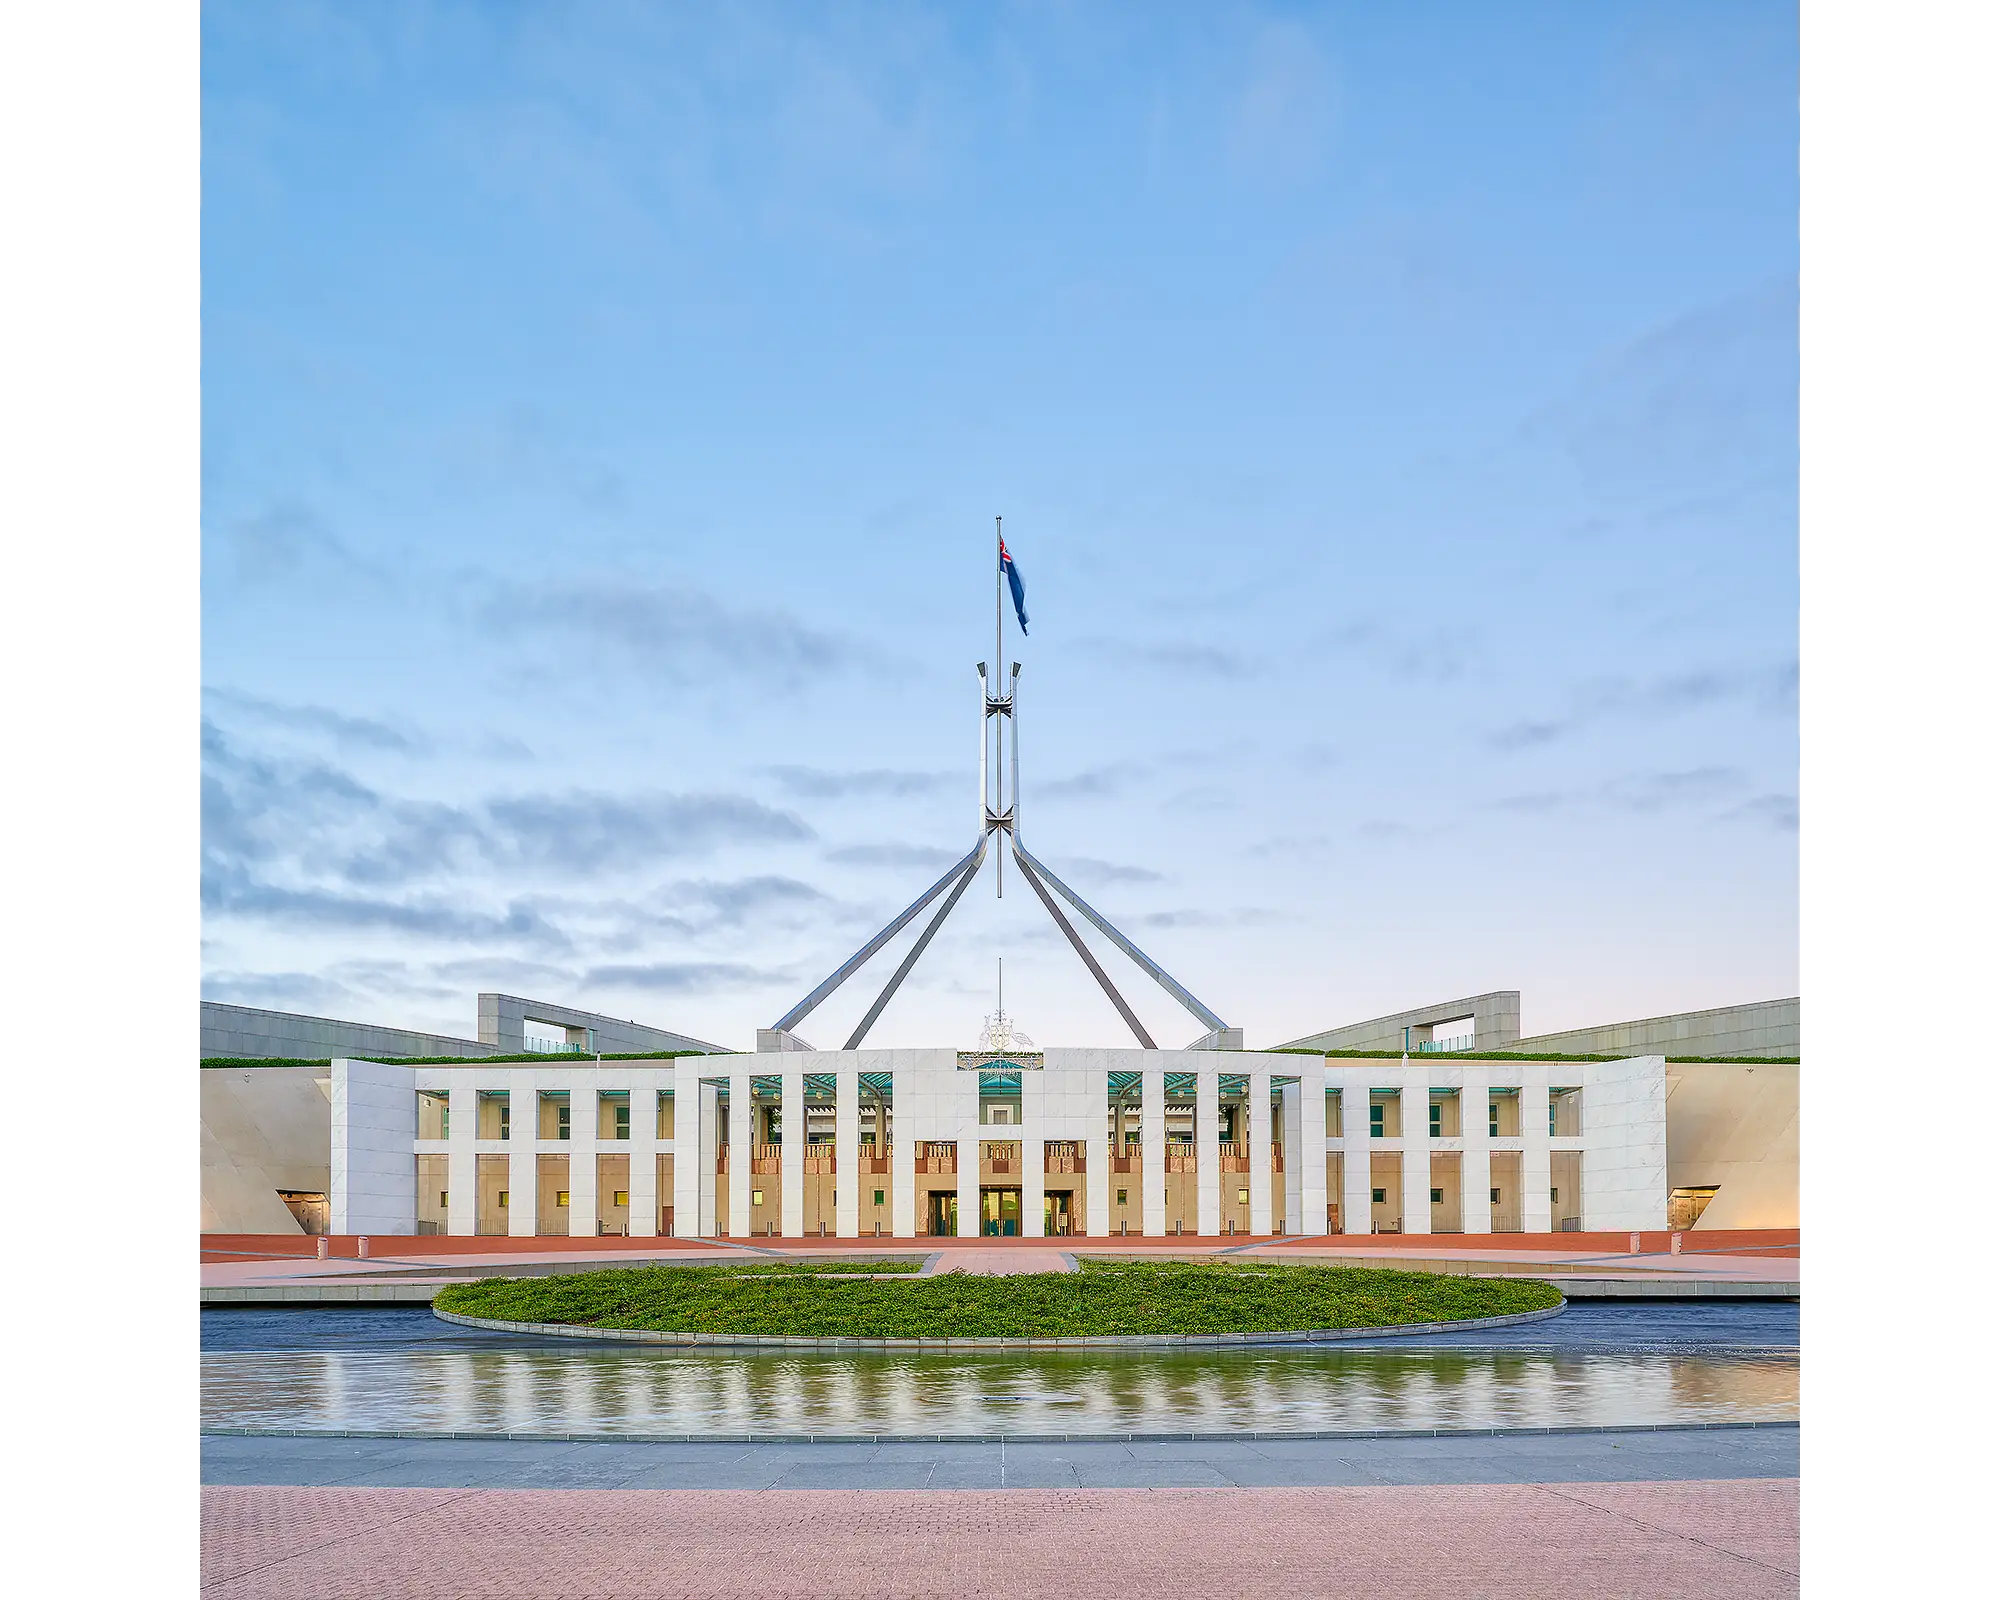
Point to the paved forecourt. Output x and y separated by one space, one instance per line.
1719 1539
1580 1455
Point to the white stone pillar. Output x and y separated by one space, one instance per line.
1416 1149
1098 1178
704 1215
792 1148
965 1101
642 1166
523 1174
1312 1148
1260 1176
847 1175
694 1150
1207 1152
583 1147
1153 1151
1291 1134
1475 1166
462 1160
742 1147
1357 1169
1034 1158
903 1157
1537 1211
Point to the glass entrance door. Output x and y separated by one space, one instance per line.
944 1214
1056 1213
1000 1212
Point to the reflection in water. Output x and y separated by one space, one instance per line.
636 1390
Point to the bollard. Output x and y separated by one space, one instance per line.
1635 1246
322 1247
1674 1244
361 1248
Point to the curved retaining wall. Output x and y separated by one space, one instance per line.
1127 1341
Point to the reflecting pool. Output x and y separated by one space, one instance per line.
400 1369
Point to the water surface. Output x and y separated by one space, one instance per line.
401 1369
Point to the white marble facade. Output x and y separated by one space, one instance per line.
1620 1138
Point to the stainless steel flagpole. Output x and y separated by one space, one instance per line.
999 677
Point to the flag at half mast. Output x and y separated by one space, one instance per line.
1014 584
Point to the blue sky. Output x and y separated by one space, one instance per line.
1394 410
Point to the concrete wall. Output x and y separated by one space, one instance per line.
503 1020
374 1156
247 1032
262 1129
1763 1028
1736 1127
1496 1021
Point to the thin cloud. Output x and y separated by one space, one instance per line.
349 732
926 857
1197 660
675 634
819 783
1093 783
1780 811
1092 870
1769 690
682 977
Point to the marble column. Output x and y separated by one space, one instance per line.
583 1146
1357 1199
1207 1153
1098 1178
848 1178
462 1161
1475 1165
1312 1148
522 1131
1153 1151
1260 1177
965 1102
742 1147
1034 1158
792 1149
1416 1150
642 1182
1537 1210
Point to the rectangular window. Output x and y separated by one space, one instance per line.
1552 1119
444 1197
503 1197
1375 1122
562 1125
1379 1196
1552 1194
621 1122
878 1197
618 1197
1437 1120
506 1118
756 1197
444 1123
1493 1119
1437 1197
562 1197
1242 1197
1495 1193
1121 1197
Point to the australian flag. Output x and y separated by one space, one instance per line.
1014 583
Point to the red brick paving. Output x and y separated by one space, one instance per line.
1719 1540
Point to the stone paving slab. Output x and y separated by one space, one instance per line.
495 1463
1719 1539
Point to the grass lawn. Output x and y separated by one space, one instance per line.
1102 1297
